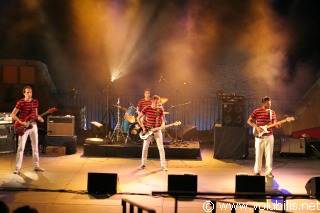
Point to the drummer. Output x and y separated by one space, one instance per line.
144 101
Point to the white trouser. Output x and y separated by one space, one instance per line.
264 145
33 133
146 143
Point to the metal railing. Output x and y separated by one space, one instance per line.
133 206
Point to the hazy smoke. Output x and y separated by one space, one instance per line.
199 47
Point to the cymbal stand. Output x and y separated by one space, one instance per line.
165 133
117 132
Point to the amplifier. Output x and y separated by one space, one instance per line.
7 141
292 145
231 99
60 126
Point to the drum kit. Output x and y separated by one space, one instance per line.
130 124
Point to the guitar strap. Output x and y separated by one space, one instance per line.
157 118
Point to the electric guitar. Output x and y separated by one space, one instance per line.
265 128
151 131
20 129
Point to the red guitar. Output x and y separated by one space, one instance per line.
20 129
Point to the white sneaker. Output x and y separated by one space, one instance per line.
164 168
17 172
142 166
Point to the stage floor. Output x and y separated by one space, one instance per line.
62 187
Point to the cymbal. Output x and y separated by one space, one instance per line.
163 100
120 107
166 113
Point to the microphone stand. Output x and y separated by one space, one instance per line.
107 90
179 92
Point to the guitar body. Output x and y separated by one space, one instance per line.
20 129
145 136
264 131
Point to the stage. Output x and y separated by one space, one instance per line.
173 150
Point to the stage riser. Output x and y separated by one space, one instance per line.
134 151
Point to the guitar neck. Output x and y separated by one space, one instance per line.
36 118
157 128
272 125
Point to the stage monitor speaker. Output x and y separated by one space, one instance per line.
313 187
7 141
183 183
60 126
188 133
247 183
102 183
231 142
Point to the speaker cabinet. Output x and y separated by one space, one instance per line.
102 183
231 142
233 110
247 183
313 187
60 126
7 141
183 183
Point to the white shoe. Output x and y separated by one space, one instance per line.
142 166
17 172
164 168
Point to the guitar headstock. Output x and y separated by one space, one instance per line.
177 123
52 110
289 119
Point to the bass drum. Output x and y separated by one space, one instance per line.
134 131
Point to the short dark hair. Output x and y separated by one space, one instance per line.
26 87
146 89
265 99
156 97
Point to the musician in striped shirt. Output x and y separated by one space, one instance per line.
154 118
264 144
144 101
27 108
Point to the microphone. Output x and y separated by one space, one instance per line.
160 78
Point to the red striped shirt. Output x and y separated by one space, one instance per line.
152 115
262 118
143 103
27 108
